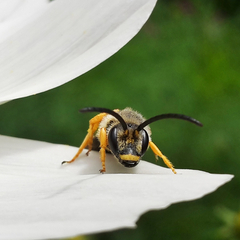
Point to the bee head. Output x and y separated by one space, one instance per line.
128 145
129 142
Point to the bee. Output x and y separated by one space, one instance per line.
125 133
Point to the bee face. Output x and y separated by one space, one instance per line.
128 146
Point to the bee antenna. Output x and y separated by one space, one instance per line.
106 110
168 115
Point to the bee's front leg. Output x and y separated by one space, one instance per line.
103 145
157 152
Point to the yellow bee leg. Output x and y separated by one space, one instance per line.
83 145
93 126
103 145
159 153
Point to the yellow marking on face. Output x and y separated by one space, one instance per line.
130 140
129 157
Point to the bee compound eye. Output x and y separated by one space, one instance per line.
112 140
145 141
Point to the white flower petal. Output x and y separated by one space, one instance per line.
15 14
64 41
39 198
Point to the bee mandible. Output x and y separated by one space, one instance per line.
125 133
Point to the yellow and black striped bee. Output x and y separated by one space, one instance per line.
125 133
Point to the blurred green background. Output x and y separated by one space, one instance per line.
186 59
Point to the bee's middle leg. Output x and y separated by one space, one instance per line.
93 126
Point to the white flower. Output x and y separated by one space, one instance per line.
43 45
40 198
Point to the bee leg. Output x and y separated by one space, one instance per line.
93 126
159 153
103 145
